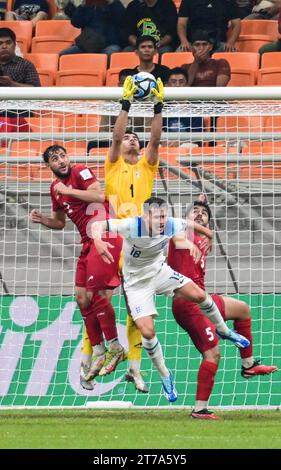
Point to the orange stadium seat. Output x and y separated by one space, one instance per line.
253 43
74 123
23 32
250 27
272 124
127 60
89 62
44 61
29 148
46 77
49 44
56 28
42 124
269 77
238 124
79 78
176 59
240 60
112 76
242 77
270 60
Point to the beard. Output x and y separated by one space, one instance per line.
62 176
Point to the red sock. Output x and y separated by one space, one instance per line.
206 380
244 327
105 316
92 324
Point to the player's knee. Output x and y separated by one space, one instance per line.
212 355
147 331
82 300
199 296
246 310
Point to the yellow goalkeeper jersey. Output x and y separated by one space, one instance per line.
128 186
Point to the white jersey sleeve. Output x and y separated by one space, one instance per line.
121 226
174 226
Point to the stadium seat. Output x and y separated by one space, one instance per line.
75 123
253 43
46 77
44 61
242 77
62 29
49 44
79 78
112 76
239 124
42 124
269 77
127 60
250 27
240 60
23 32
89 62
176 59
270 59
29 149
272 124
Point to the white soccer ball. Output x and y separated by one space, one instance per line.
145 82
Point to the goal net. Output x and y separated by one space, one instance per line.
232 154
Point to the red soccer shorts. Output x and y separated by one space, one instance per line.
92 272
200 329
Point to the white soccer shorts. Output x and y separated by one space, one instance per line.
141 295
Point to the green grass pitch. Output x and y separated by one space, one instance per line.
137 429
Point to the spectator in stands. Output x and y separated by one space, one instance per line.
204 71
178 78
244 7
273 46
31 10
15 71
100 24
61 5
212 16
264 10
157 18
3 8
146 48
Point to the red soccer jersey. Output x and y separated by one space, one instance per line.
182 261
78 211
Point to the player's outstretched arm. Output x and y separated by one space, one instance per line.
152 150
129 88
97 229
55 222
181 242
200 229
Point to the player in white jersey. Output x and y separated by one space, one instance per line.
146 274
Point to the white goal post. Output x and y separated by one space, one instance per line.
235 159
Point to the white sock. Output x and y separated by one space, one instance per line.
200 405
134 364
247 362
211 311
86 359
114 345
99 349
154 350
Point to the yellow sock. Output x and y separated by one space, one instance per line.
86 347
134 339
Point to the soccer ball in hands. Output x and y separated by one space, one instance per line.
145 82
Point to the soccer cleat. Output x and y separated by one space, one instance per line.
135 377
96 365
112 359
257 369
84 370
169 389
239 340
204 414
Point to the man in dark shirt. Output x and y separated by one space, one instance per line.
146 48
212 16
29 10
157 18
205 71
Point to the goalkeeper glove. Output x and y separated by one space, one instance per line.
159 94
129 88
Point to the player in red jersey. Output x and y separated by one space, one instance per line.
77 194
189 258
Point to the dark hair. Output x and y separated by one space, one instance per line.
130 132
178 71
50 150
8 33
202 35
154 202
199 203
145 38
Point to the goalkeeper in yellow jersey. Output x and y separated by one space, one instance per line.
128 183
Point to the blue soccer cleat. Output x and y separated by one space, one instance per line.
169 389
239 340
